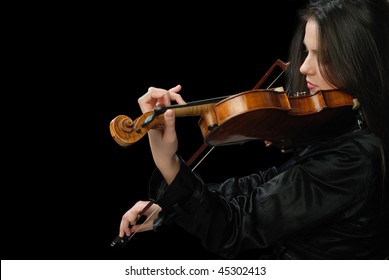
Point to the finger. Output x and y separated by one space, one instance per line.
155 93
164 100
170 121
151 214
174 94
130 218
143 227
124 228
151 98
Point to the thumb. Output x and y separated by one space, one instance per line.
170 121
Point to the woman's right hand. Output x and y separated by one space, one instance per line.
128 224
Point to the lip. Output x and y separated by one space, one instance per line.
310 85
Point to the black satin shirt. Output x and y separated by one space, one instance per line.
325 203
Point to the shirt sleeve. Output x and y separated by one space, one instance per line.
257 210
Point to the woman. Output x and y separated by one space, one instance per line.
329 201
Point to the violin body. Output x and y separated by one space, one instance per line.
272 116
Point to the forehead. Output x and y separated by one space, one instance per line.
311 30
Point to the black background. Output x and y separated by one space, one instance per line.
66 181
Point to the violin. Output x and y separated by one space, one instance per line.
258 114
271 115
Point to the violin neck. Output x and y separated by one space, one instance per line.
195 108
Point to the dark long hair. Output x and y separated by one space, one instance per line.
353 54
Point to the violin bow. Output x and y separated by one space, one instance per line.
122 241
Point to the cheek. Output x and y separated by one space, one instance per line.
324 84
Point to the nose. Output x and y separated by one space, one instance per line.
307 67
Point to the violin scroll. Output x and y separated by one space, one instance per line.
126 132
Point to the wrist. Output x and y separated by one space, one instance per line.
169 168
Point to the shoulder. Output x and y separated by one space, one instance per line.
355 144
354 156
363 141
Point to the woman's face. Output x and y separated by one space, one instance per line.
310 67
